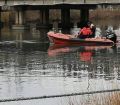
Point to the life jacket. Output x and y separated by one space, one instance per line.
86 31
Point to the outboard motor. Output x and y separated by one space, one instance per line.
111 35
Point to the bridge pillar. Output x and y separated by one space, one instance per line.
44 16
84 16
44 19
65 18
0 19
19 19
1 23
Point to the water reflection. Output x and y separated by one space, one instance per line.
27 64
93 60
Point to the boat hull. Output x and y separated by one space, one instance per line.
65 39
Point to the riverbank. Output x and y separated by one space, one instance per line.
112 98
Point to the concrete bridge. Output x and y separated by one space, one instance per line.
52 2
44 6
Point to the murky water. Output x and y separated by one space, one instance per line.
31 67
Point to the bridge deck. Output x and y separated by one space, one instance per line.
52 2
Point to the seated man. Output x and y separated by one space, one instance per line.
85 32
88 31
110 34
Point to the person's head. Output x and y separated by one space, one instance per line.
92 26
110 29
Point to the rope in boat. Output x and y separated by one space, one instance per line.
55 96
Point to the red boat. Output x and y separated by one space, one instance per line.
67 39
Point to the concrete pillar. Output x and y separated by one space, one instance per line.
84 15
19 19
41 17
0 14
65 18
44 18
1 24
16 17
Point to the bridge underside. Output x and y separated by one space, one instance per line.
65 12
57 6
20 21
44 12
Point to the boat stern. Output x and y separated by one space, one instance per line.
50 36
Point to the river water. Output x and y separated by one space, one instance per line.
31 67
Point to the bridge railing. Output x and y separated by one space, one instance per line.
51 2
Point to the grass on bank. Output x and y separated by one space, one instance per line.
112 98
